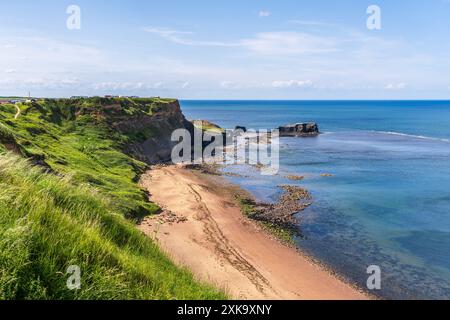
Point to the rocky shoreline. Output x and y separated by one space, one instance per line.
282 213
294 199
241 253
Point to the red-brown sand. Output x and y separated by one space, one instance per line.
202 228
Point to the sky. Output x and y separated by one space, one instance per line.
204 49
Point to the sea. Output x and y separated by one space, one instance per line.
385 199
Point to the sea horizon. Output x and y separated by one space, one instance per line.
260 152
362 162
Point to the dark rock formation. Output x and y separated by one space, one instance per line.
310 129
293 200
157 145
240 128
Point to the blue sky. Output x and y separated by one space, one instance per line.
253 49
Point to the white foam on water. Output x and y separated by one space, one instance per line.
412 136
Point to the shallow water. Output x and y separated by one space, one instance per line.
388 201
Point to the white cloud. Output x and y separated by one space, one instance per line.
396 86
267 43
38 57
185 85
114 85
364 62
264 14
10 71
180 37
169 34
229 85
282 43
310 23
292 84
156 85
126 85
39 83
70 81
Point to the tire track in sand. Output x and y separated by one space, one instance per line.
223 247
237 255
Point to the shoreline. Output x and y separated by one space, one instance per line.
203 228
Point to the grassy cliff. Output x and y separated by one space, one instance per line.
69 196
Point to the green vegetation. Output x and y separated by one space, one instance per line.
12 98
74 137
248 208
68 202
207 126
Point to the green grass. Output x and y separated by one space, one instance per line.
207 126
213 129
48 223
12 98
78 206
74 138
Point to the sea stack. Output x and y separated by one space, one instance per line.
310 129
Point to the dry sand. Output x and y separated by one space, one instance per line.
203 228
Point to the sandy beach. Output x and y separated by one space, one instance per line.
202 228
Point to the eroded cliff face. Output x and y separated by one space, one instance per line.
153 132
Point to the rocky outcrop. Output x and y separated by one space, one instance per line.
282 213
240 128
207 126
310 129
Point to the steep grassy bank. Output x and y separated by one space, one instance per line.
75 213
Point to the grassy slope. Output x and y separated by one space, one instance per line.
87 148
77 216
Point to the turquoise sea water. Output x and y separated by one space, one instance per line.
388 201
